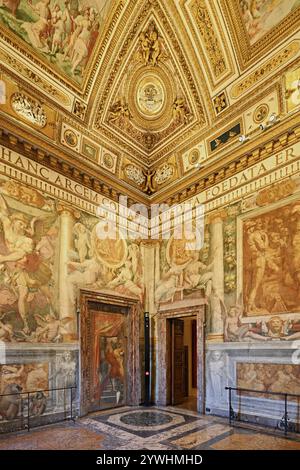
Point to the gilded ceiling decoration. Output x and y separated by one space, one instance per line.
151 97
211 42
148 92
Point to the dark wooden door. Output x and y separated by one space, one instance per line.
177 362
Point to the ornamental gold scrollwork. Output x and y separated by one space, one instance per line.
35 78
210 39
265 70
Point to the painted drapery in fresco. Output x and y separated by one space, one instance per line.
49 251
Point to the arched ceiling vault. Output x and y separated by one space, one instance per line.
138 95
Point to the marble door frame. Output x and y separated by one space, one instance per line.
179 309
109 298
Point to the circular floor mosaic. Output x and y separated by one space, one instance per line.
146 420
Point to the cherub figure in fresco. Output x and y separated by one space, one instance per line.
198 274
233 328
50 328
38 30
82 241
236 330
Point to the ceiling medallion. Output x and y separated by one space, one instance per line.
108 161
194 157
70 138
150 96
260 113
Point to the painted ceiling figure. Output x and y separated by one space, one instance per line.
36 31
12 5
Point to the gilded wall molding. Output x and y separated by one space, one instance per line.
60 160
35 79
281 58
242 157
211 42
217 31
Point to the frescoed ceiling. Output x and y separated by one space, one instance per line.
150 93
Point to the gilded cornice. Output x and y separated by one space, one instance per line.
20 70
263 71
61 160
266 143
227 118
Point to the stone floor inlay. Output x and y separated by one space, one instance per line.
141 420
155 428
146 418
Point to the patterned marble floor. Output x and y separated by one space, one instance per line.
147 428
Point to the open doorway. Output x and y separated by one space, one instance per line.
182 362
